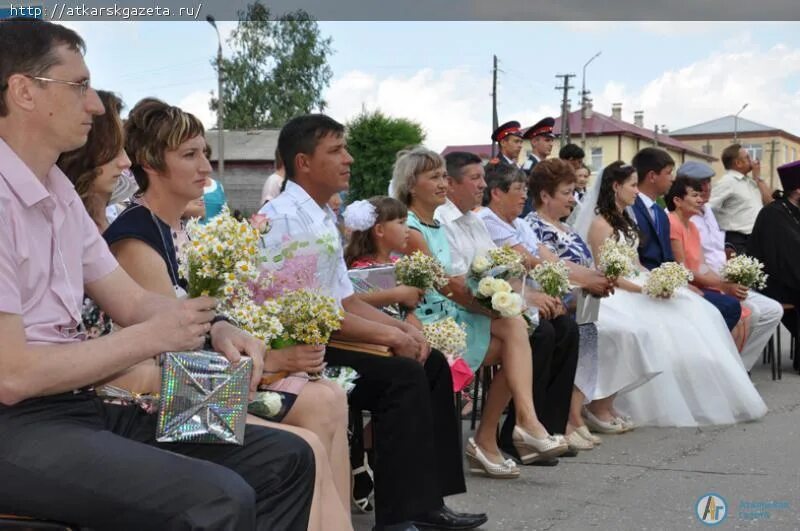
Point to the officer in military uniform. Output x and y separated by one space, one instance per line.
509 136
541 138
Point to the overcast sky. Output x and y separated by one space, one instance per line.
439 73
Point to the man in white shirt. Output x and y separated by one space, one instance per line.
274 183
737 198
766 313
418 454
554 342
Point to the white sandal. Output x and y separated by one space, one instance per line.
363 505
480 464
531 449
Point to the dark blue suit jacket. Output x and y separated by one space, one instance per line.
654 247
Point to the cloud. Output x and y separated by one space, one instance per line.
716 86
197 104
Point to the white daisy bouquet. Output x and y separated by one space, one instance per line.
221 254
664 280
307 317
552 278
617 259
259 320
448 337
498 295
419 270
499 262
745 270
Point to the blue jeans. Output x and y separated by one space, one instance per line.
728 306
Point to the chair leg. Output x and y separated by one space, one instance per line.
475 403
772 361
459 423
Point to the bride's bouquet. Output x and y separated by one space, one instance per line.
221 255
498 295
499 262
552 277
419 270
745 270
617 259
666 279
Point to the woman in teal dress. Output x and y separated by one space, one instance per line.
419 181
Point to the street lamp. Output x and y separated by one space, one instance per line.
584 99
220 106
736 123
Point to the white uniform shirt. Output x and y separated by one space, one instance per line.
736 202
466 234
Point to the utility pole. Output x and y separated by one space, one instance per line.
220 106
585 100
772 150
565 87
494 104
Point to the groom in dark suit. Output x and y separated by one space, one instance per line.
654 167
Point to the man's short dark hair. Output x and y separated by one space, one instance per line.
27 46
680 188
651 159
302 135
456 161
729 155
571 152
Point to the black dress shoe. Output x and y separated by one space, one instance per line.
444 518
510 450
402 526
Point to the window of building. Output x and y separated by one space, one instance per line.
786 154
794 154
756 150
597 159
706 148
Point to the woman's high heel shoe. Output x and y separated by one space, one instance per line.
531 449
480 464
613 426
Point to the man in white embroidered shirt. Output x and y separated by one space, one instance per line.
766 313
737 198
410 394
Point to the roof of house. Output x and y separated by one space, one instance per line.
726 124
482 150
600 124
256 145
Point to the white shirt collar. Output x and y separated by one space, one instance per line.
301 198
648 203
736 174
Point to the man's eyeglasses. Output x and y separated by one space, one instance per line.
83 86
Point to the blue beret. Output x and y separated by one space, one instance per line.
695 170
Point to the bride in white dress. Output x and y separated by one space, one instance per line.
703 381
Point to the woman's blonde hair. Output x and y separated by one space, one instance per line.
409 164
152 128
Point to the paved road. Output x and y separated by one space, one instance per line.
652 478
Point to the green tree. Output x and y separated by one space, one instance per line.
278 69
374 140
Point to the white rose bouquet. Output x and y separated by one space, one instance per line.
552 277
499 262
498 295
666 279
745 270
617 259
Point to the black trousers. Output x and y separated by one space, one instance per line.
415 435
555 357
72 458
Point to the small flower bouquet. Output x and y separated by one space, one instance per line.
666 279
221 255
450 338
307 317
260 222
617 259
552 278
498 295
499 262
745 270
419 270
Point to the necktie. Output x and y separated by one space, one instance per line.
654 208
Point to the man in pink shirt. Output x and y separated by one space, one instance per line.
765 313
65 454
